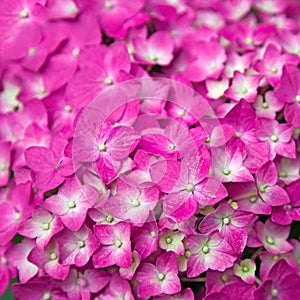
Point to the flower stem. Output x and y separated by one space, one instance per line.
255 254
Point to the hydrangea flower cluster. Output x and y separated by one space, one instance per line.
149 149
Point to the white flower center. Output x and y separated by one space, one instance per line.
32 52
109 218
118 243
226 172
3 167
53 256
190 188
153 233
68 108
24 14
274 70
47 296
274 292
72 204
265 105
153 57
108 4
270 240
253 199
181 113
108 81
46 226
171 147
205 249
102 148
17 216
274 138
297 98
81 244
76 52
161 276
226 221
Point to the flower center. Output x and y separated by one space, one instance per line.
3 260
245 90
288 207
226 172
274 70
270 240
282 174
205 249
187 253
161 276
102 148
253 199
169 240
181 113
226 221
171 147
248 41
24 14
72 204
153 57
108 81
109 218
46 226
245 269
81 244
265 104
274 292
153 234
262 189
47 296
17 216
118 243
3 167
224 278
108 4
32 52
297 98
274 138
82 282
73 9
190 188
135 202
53 256
68 108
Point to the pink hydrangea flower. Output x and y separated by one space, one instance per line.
42 226
206 251
77 246
49 260
159 278
243 87
273 237
157 49
115 245
230 223
72 203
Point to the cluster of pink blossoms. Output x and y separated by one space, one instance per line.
149 149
